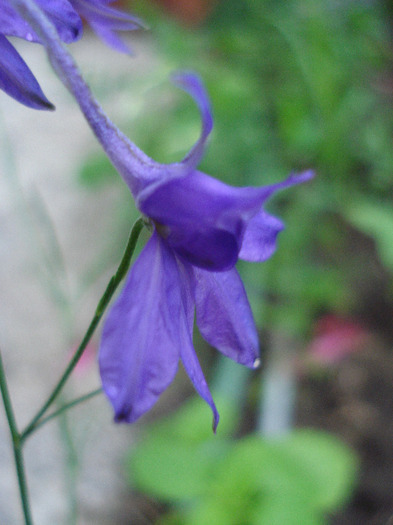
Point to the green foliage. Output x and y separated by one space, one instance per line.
184 475
214 479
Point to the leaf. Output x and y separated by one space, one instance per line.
329 465
376 220
172 469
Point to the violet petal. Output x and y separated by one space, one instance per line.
139 351
259 241
60 12
224 316
106 21
187 351
192 84
17 80
203 219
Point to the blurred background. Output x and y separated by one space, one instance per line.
306 439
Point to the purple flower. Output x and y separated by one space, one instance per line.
201 227
16 79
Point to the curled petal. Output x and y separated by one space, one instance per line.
224 316
259 241
17 80
139 351
142 174
193 85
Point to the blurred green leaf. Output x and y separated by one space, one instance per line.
375 219
328 464
97 171
171 469
175 458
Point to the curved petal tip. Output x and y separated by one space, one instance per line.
192 84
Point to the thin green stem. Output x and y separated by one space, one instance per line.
63 408
16 445
103 303
71 467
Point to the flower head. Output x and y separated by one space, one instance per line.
16 79
201 227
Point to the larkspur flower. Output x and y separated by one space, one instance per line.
201 227
16 79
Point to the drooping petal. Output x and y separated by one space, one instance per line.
259 241
193 85
224 316
17 80
203 219
106 21
139 351
187 351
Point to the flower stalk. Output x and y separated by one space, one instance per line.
17 444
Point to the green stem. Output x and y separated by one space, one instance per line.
16 445
60 410
103 303
71 465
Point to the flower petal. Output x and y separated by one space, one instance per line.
224 316
259 241
187 351
60 12
17 80
66 20
193 85
203 219
139 351
105 21
142 174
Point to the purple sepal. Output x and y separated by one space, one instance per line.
139 351
260 236
224 316
17 80
192 84
187 352
106 21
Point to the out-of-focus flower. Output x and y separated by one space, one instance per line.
16 79
201 227
334 339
